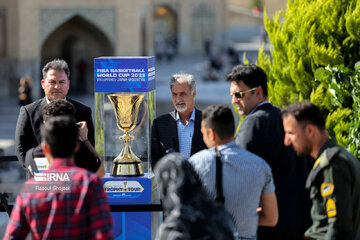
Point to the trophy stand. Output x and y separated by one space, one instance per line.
123 164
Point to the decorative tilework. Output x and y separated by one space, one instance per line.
103 18
203 23
203 10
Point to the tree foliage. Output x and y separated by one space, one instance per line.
341 100
315 54
309 35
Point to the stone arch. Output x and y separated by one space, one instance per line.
165 28
78 42
103 18
165 21
203 24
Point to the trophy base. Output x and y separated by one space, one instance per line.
126 169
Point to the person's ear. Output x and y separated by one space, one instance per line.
46 148
259 92
194 93
309 130
43 84
212 134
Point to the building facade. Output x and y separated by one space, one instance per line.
34 32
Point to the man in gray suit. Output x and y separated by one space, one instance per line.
262 133
55 84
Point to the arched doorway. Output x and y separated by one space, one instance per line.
165 28
78 42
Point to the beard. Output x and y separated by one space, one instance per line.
180 106
241 110
302 150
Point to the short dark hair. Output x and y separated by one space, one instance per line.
57 64
251 75
61 134
220 118
58 107
305 112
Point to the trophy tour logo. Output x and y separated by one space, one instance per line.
123 188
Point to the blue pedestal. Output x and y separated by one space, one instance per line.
132 225
132 191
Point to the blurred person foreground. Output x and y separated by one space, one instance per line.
189 212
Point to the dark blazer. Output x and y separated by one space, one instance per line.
83 158
262 133
164 136
27 133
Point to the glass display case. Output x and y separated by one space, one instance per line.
124 112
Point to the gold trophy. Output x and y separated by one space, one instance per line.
126 108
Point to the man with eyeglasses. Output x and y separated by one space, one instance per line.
262 133
56 85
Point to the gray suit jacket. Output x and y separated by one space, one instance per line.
27 133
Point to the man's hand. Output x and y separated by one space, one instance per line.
83 131
83 136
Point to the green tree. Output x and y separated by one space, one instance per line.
339 96
309 35
316 44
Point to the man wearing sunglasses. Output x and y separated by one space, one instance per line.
262 133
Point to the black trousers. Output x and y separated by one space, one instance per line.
274 233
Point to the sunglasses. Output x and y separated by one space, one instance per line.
241 94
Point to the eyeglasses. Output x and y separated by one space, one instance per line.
241 94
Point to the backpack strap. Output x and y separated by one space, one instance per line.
219 186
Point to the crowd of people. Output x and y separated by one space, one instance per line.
279 177
165 47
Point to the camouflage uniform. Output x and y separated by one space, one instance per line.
335 193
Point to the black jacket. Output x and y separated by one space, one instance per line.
164 136
27 133
262 133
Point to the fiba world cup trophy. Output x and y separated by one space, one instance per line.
126 108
